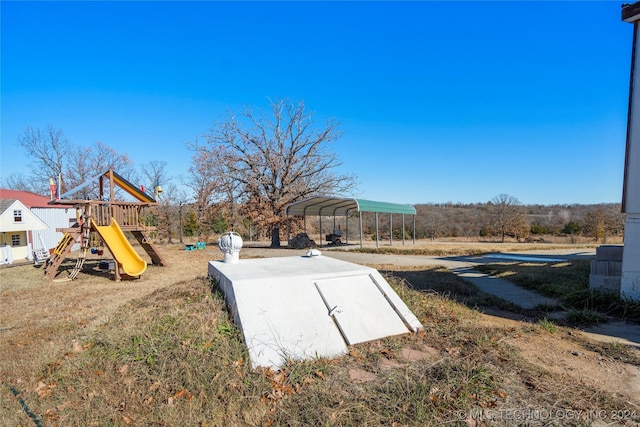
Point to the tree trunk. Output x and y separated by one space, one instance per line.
275 237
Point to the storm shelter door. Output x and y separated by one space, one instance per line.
359 308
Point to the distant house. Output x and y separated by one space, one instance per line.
17 225
28 222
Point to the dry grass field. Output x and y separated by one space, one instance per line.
161 350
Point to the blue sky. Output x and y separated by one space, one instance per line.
438 101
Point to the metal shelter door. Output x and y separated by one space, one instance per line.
359 308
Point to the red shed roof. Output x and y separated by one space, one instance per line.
30 200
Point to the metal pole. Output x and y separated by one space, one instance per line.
288 231
414 229
360 212
377 230
180 215
346 228
402 229
390 229
320 216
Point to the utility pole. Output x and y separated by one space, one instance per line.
180 220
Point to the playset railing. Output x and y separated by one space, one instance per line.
128 215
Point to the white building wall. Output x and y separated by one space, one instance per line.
630 280
29 221
54 218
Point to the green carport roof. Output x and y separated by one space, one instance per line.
334 206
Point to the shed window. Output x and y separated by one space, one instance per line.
17 215
15 240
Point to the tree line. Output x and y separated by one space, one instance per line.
248 168
597 222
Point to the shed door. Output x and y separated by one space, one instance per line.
359 308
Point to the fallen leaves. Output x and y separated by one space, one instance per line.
178 395
44 390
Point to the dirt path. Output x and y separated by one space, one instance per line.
566 352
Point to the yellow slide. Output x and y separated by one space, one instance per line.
120 248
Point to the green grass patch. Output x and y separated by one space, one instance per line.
569 283
585 317
548 325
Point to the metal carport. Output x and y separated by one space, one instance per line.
334 206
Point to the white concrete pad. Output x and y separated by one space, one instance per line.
306 307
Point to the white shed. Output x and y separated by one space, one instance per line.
53 216
17 226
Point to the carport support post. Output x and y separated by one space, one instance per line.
390 229
360 212
377 232
346 228
320 218
402 229
414 229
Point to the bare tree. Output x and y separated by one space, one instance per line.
154 174
507 216
169 211
22 183
266 163
603 221
53 156
85 163
49 150
78 172
208 186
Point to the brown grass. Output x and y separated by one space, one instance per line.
162 351
428 248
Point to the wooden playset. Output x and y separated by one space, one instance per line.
105 221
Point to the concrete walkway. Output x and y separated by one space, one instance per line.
462 267
504 289
619 332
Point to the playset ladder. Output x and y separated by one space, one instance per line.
149 248
59 254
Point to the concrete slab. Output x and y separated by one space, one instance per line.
524 258
306 307
504 289
618 332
